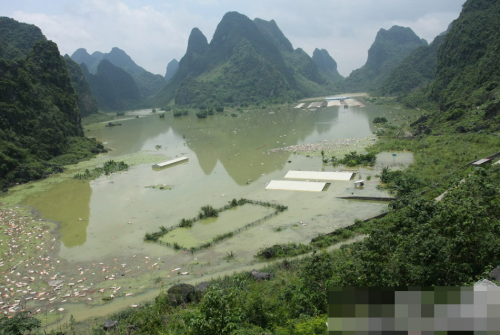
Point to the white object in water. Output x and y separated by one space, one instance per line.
319 175
295 186
170 162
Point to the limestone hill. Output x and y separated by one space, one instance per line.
387 51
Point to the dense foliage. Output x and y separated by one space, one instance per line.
17 39
19 324
467 66
466 85
352 159
425 242
39 115
415 71
387 51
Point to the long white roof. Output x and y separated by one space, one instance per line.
318 175
171 162
287 185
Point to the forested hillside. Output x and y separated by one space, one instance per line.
415 71
387 51
246 62
17 39
39 116
467 77
467 66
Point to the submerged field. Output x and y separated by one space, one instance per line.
101 224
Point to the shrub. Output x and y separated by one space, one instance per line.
380 119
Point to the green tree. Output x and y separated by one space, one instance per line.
219 313
19 324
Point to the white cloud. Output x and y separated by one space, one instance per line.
153 32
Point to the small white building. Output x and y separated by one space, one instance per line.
359 183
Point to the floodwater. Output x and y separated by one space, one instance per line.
229 157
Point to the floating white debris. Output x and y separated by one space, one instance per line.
295 186
319 175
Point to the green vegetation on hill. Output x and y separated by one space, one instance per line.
246 78
271 30
387 51
467 77
467 67
148 83
246 62
302 64
86 101
17 39
39 119
309 81
415 71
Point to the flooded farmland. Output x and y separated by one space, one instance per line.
102 223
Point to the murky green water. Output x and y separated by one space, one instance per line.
228 158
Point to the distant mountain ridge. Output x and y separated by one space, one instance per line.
148 83
172 68
327 65
245 62
114 88
387 51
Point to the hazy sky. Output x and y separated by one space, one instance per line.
154 32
